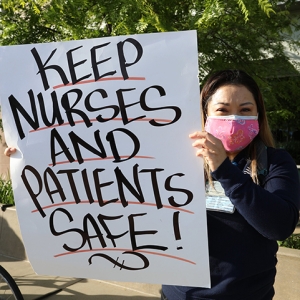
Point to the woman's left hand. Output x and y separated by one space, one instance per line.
210 148
9 151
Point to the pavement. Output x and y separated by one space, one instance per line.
13 258
33 286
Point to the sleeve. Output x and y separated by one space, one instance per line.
273 210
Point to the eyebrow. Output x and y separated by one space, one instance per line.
227 104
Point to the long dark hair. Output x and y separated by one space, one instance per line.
239 78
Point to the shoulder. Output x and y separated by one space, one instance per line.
283 176
281 161
277 155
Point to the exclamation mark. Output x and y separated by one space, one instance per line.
176 227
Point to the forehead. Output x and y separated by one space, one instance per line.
232 94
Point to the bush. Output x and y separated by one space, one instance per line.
6 191
291 242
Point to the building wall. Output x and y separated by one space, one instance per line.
4 160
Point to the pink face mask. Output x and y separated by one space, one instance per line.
235 132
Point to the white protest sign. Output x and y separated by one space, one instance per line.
106 181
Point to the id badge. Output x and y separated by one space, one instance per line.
216 199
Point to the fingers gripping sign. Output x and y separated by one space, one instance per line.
209 147
9 151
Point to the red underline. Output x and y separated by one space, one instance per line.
95 120
117 202
101 79
127 250
100 158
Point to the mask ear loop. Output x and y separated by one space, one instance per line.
204 120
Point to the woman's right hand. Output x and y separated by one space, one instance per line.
210 148
9 151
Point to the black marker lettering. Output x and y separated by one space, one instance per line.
55 110
89 220
122 265
162 93
39 182
55 137
110 137
17 107
171 199
122 180
73 187
42 68
103 94
123 64
65 102
59 189
76 141
95 63
98 187
155 187
123 107
87 186
134 233
72 66
109 235
57 233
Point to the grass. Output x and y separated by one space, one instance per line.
6 191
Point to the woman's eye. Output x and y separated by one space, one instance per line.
246 109
221 109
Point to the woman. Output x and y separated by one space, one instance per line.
258 187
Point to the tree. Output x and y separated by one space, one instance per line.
243 34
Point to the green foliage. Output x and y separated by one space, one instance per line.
291 242
6 191
243 34
212 10
232 33
266 6
293 148
243 9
